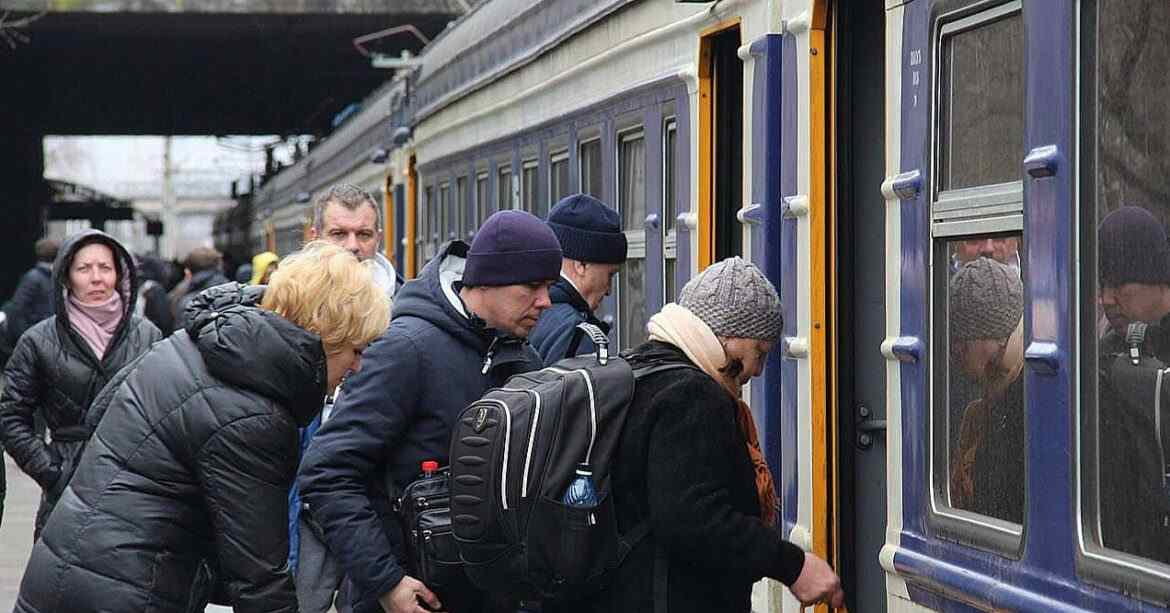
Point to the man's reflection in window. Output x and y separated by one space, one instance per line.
1133 293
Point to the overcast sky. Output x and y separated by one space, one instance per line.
132 166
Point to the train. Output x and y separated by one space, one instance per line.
855 151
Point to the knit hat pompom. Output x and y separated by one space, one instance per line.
987 301
736 300
511 248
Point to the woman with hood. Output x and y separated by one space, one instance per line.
60 364
690 465
190 467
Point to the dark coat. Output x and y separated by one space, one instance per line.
556 327
397 411
155 305
32 302
683 464
191 464
199 282
54 373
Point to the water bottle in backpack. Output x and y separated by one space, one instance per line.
581 491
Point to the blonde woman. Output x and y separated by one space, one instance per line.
191 464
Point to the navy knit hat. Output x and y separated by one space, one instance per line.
1133 248
588 230
512 247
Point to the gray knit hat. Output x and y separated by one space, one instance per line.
987 301
736 300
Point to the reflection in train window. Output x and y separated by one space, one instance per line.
632 207
590 160
482 206
1126 180
528 196
558 177
980 383
981 104
504 200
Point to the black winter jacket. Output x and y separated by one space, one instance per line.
556 327
683 464
199 281
190 464
54 373
397 411
32 302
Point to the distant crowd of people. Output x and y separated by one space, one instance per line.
238 442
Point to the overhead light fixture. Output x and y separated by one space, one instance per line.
379 155
303 197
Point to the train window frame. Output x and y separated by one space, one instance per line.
987 210
591 141
444 229
558 156
636 248
530 167
461 200
504 176
1096 563
483 201
669 208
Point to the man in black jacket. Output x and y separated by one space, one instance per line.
33 299
594 246
457 331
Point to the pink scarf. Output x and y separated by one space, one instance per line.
95 323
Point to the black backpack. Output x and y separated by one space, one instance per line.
513 454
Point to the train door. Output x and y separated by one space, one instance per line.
857 140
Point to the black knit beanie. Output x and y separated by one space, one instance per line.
1133 248
512 247
588 230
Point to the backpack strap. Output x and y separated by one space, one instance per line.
600 340
657 367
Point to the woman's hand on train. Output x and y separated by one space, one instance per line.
818 583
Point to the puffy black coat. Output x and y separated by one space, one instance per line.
683 464
32 302
191 463
54 372
397 411
199 281
555 329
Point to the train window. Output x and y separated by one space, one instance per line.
483 207
444 232
1124 417
979 149
590 161
981 105
978 421
558 176
461 208
504 200
669 207
631 182
528 189
423 226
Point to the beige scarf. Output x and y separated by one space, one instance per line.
678 326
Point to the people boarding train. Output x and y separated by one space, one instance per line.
457 330
346 216
196 445
60 364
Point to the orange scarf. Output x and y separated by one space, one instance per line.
678 326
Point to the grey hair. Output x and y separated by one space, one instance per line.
347 195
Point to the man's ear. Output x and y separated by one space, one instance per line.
312 233
187 274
